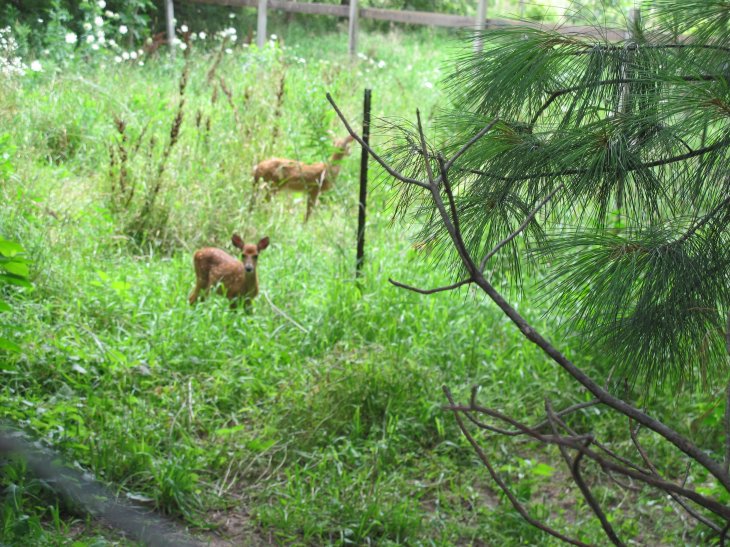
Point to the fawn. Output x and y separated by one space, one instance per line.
295 176
239 278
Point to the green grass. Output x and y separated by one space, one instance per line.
322 424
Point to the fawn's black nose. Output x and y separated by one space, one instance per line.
249 269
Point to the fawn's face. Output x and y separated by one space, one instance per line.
344 144
250 252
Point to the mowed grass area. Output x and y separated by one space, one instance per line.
317 419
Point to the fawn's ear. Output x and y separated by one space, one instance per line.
237 241
261 245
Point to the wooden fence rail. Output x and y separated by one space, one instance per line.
354 13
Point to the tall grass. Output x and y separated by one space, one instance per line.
315 420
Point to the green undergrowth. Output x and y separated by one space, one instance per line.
319 418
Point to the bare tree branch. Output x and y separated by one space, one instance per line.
689 510
519 230
574 468
576 442
431 291
392 172
503 486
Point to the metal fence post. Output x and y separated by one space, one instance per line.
362 203
353 27
261 24
480 23
170 17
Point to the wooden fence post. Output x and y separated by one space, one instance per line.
363 183
170 17
480 23
353 27
261 24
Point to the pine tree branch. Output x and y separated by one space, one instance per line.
431 291
519 230
689 510
614 81
720 206
681 442
566 172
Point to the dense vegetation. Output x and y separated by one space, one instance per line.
321 424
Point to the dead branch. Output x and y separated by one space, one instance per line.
574 467
502 485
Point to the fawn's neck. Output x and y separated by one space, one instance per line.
251 281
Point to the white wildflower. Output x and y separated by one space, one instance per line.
228 51
381 64
87 26
40 21
117 59
133 55
110 14
184 28
71 38
231 15
125 55
123 29
202 35
98 21
183 46
90 39
95 47
35 66
101 4
274 37
141 63
428 85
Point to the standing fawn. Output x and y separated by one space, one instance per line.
295 176
239 278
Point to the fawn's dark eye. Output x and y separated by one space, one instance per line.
255 257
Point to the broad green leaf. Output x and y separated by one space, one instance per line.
15 280
10 248
7 345
4 306
226 431
543 470
17 268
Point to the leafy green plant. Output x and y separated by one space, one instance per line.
14 273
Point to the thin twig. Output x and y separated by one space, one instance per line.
431 291
284 315
474 139
392 172
502 485
644 456
519 230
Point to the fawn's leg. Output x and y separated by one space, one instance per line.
311 202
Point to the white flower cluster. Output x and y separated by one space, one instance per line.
370 60
10 62
229 33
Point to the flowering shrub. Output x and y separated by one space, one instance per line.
10 62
